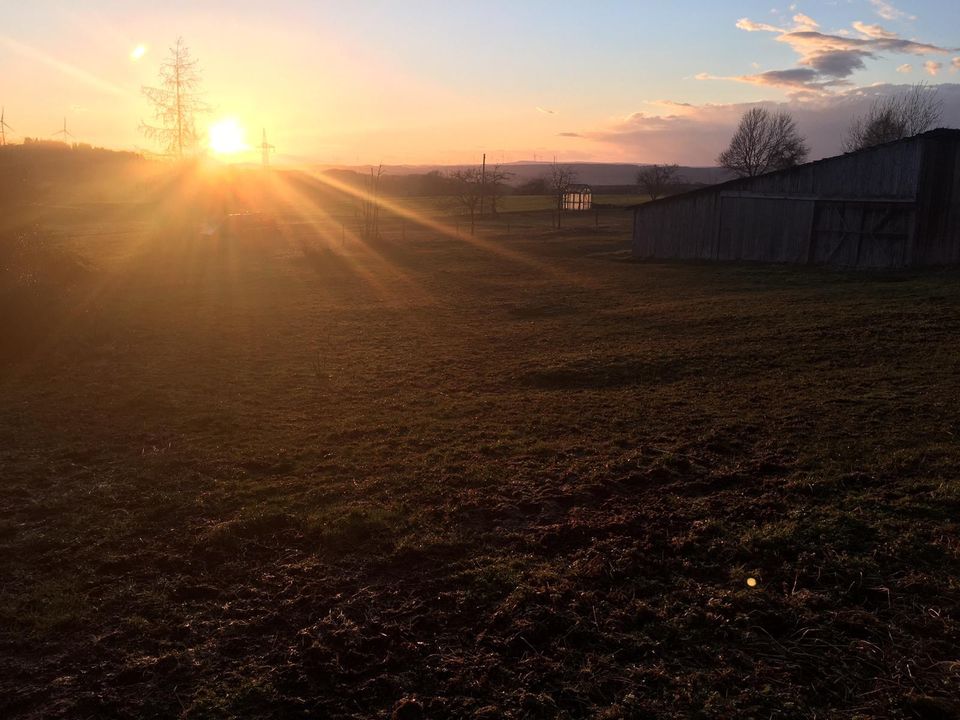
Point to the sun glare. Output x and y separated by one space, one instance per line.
227 137
138 52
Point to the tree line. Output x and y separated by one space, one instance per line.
767 140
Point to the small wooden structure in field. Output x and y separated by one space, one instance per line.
578 197
890 206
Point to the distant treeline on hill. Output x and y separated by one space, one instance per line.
429 184
44 170
436 183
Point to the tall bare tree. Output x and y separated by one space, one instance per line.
655 180
176 101
892 117
764 141
559 180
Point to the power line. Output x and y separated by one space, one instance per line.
265 148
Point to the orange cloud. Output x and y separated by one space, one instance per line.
873 31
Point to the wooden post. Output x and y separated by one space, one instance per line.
483 183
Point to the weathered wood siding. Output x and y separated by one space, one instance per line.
938 207
862 209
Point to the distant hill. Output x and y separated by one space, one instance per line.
616 173
48 171
589 173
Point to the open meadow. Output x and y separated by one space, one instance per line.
283 472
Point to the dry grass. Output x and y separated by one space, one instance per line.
274 477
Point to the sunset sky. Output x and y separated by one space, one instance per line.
441 82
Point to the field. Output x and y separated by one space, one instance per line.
292 474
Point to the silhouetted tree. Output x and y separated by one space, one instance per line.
534 186
892 117
176 102
559 180
369 199
466 193
655 180
764 141
496 181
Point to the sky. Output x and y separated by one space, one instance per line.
441 82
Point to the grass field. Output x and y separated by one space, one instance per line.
516 475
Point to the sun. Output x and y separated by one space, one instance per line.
227 137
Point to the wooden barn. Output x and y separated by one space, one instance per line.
890 206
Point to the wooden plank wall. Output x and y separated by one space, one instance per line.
733 221
938 212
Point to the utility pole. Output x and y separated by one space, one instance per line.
483 182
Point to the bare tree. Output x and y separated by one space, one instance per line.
496 180
655 180
468 186
369 202
892 117
176 102
559 180
764 141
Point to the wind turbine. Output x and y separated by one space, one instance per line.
66 133
265 148
4 127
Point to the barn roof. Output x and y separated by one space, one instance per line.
737 182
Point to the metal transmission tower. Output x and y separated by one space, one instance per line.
265 148
66 133
4 127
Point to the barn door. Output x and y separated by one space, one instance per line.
851 234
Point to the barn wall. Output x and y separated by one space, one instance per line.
764 229
890 171
938 221
852 210
685 228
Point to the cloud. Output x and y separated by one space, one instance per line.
873 31
906 68
838 63
694 135
826 60
751 26
932 67
569 134
888 12
795 78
